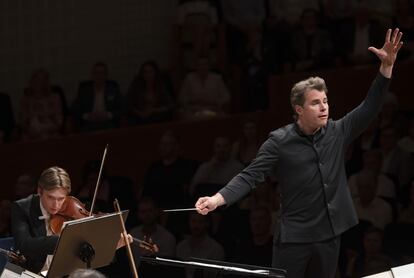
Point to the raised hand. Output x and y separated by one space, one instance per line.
388 53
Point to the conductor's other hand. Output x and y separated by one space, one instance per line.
206 204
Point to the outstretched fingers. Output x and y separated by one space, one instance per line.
398 39
395 35
388 36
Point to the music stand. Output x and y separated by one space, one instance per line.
86 243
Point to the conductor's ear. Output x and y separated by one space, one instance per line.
298 110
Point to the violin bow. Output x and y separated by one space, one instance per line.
125 234
98 181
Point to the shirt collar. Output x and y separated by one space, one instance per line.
45 214
316 135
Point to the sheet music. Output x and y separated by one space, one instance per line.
255 271
404 271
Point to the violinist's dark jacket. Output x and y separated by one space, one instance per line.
29 232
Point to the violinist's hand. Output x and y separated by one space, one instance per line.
206 204
121 241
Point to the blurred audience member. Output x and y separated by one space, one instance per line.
167 180
243 18
203 93
151 231
216 172
199 245
25 186
245 149
41 110
311 45
6 118
407 213
5 211
98 103
367 205
197 31
407 143
257 250
290 11
373 260
148 99
354 38
372 161
404 19
397 163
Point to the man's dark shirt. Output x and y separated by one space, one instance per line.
315 200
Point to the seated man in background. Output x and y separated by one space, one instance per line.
98 103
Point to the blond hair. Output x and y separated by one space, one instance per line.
53 178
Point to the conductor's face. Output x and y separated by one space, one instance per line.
52 200
315 110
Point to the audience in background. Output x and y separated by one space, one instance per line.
257 249
6 118
373 260
5 212
196 23
311 45
245 149
24 186
368 206
149 99
217 171
98 103
203 93
372 161
199 244
41 110
407 212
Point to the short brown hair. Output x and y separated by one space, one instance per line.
53 178
297 94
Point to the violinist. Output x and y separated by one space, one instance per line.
30 219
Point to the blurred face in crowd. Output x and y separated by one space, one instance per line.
198 224
388 139
52 200
260 222
315 110
148 73
221 149
25 185
39 82
372 243
203 66
250 131
168 147
372 161
147 213
99 74
367 187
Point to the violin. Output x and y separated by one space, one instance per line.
71 209
14 256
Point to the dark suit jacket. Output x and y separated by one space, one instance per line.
30 233
85 100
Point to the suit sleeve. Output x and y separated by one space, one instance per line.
256 172
356 121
